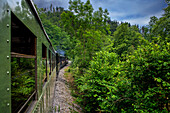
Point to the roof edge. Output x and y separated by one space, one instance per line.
31 3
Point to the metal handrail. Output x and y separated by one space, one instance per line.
27 101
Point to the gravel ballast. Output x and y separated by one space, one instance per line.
63 100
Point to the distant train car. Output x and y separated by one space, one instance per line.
27 60
63 61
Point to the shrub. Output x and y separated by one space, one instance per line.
101 87
148 69
140 83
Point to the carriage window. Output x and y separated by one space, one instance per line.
23 82
57 58
57 61
23 41
44 51
49 60
44 64
23 66
53 61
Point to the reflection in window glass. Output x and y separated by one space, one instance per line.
44 71
44 64
22 81
49 56
23 40
53 62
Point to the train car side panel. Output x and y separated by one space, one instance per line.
23 17
5 70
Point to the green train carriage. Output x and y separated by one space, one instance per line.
27 59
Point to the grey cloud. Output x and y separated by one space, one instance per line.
119 9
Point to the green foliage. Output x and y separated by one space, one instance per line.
117 68
23 80
126 39
104 87
58 37
95 41
113 25
132 75
153 20
88 31
51 22
139 84
162 28
148 68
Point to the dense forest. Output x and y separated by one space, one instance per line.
118 67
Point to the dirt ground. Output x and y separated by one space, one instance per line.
63 101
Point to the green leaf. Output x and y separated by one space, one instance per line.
113 96
165 64
132 66
95 95
158 80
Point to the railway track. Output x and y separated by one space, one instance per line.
63 101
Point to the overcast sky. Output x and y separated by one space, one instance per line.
133 11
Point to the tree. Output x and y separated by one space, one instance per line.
126 39
152 21
113 25
82 23
162 26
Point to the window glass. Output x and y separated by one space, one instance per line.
23 66
44 64
22 81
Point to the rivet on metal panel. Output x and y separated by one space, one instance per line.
7 25
7 57
7 104
7 41
7 72
7 89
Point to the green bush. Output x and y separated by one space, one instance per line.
138 84
101 86
148 68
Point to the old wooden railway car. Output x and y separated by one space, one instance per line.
28 62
